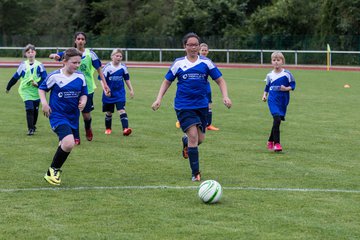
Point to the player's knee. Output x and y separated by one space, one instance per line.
67 144
201 138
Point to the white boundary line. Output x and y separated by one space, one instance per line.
4 190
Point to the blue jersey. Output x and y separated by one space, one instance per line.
192 81
64 97
278 100
115 77
96 63
208 89
89 63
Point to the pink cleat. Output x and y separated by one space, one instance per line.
77 141
277 147
127 131
196 177
270 146
89 134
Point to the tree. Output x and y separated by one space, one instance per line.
292 24
14 19
133 22
284 21
207 18
340 23
59 20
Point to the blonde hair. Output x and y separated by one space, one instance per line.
204 45
117 50
27 48
279 55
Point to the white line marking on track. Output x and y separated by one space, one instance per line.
4 190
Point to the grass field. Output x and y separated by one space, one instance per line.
139 187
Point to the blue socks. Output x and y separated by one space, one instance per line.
124 120
209 118
108 121
193 153
87 123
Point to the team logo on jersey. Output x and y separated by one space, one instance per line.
275 88
60 94
82 67
71 94
116 78
193 76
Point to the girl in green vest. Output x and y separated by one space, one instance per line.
31 74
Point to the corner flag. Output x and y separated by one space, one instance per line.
328 57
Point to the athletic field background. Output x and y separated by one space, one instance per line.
139 187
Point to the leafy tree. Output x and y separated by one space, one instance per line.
292 24
340 23
287 17
282 22
253 5
59 20
15 17
208 18
340 17
130 22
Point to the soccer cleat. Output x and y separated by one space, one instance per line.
77 141
127 131
31 132
89 134
108 131
196 177
185 147
52 176
177 124
212 127
277 147
270 146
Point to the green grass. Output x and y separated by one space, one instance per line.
266 195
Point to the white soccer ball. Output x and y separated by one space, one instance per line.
210 191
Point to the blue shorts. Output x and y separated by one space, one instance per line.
89 104
64 130
277 109
109 107
32 104
190 117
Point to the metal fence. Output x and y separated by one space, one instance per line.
295 57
